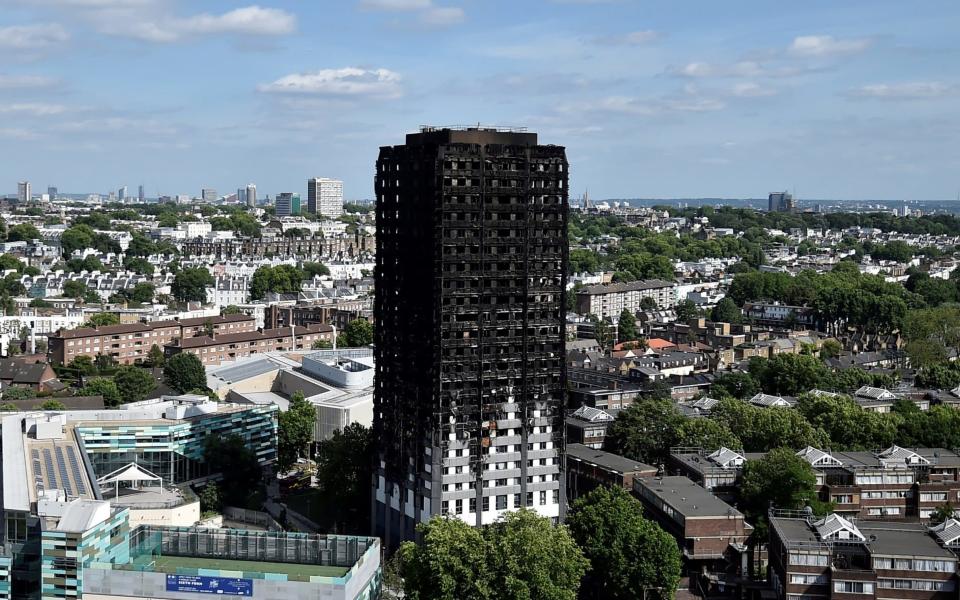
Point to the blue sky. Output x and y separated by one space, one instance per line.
852 99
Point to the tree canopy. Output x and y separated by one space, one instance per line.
281 279
190 284
184 372
628 554
520 556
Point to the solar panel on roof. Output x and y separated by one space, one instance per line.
50 473
75 467
64 476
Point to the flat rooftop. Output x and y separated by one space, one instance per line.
684 496
607 460
902 539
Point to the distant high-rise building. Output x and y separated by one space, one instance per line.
325 197
288 205
52 192
208 195
122 193
469 341
251 195
140 195
780 202
24 192
241 196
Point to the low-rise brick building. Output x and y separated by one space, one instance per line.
130 344
234 346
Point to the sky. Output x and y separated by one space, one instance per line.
854 99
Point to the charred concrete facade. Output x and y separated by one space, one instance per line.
469 305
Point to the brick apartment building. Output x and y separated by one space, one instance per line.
338 314
234 346
609 300
706 527
588 468
896 483
834 557
130 344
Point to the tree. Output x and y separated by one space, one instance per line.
601 330
707 434
315 269
686 310
847 424
449 563
343 473
789 374
520 556
736 385
645 430
19 393
9 262
83 365
281 279
230 456
358 332
53 405
8 407
24 232
105 363
726 311
781 479
101 386
78 237
295 430
532 558
184 372
190 284
74 289
40 303
761 429
627 326
134 384
830 349
232 309
155 357
628 554
211 501
942 513
102 320
143 293
321 345
648 303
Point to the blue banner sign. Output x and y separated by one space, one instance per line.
198 584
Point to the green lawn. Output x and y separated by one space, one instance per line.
295 572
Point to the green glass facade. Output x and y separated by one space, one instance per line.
174 450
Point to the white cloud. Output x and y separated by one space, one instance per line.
827 45
912 90
749 89
11 82
427 13
36 109
32 37
253 20
633 38
250 19
348 81
395 5
442 16
746 68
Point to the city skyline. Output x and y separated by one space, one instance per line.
651 102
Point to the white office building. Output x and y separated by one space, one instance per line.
325 197
24 193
